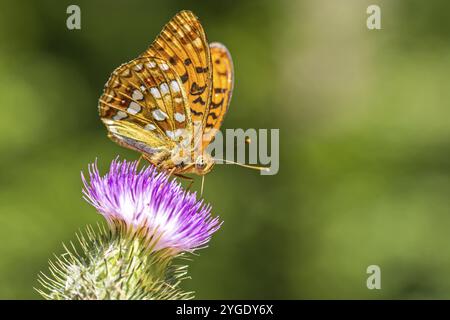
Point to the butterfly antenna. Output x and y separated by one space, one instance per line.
203 183
244 165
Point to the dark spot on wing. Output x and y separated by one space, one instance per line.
195 113
216 105
199 100
196 90
201 70
220 90
184 77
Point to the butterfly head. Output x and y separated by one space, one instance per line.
203 164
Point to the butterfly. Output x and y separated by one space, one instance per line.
169 102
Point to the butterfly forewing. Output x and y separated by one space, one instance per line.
183 44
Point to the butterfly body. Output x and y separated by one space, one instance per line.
168 103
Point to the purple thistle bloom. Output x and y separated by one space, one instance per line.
146 199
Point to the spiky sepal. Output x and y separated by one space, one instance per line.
114 263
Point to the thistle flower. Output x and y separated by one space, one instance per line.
146 200
152 221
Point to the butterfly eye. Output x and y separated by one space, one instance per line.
200 163
181 164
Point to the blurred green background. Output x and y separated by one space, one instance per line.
364 151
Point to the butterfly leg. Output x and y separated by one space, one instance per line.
171 172
139 161
186 178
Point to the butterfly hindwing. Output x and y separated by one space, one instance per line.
144 106
222 89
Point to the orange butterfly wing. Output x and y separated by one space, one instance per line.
222 90
183 44
179 83
144 107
